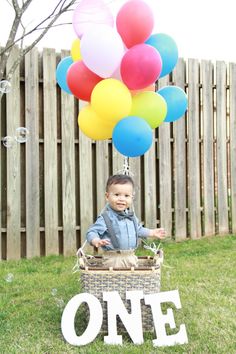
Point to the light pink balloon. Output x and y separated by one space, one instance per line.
135 22
89 13
102 50
140 67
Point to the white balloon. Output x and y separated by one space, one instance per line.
102 50
89 13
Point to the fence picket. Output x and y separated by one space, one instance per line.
68 172
102 173
1 234
150 203
13 165
85 181
117 161
164 152
180 158
193 150
32 154
221 148
232 110
208 147
135 173
50 152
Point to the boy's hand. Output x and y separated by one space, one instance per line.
97 242
158 233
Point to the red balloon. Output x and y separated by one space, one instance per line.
140 66
134 22
81 80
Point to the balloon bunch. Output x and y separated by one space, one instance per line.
114 67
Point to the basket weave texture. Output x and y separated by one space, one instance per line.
146 277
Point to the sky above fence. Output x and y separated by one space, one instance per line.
202 29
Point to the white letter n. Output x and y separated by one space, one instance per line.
132 321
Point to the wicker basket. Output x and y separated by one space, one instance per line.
95 279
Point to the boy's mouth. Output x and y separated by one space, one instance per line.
121 204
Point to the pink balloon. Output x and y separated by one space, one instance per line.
89 13
134 22
141 66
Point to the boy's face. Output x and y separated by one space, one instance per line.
120 196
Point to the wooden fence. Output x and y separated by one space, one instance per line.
52 187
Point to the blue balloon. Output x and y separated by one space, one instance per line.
168 50
61 73
176 100
132 136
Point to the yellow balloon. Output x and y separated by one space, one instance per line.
150 106
93 126
111 100
75 50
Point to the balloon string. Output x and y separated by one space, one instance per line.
126 170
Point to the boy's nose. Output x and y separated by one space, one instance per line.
121 197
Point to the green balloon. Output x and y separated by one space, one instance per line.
150 106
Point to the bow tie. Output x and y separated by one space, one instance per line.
122 215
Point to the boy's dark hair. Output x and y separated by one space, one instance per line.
119 179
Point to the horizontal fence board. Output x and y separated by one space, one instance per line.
32 154
13 165
221 148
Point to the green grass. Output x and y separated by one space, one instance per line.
203 271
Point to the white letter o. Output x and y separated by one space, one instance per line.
68 319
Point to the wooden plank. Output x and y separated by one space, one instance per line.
232 110
150 200
32 154
50 152
208 147
68 172
13 164
1 166
194 206
164 153
102 172
135 173
85 181
221 148
117 161
180 157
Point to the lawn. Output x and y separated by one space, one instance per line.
34 292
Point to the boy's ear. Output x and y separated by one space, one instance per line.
106 195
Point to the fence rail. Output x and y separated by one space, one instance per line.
52 187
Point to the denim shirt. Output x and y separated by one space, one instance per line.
124 230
